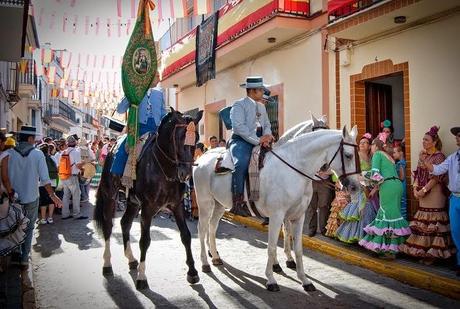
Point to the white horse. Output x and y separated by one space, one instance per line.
285 191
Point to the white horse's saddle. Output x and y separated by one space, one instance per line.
225 165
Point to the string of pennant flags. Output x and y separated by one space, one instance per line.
88 79
75 24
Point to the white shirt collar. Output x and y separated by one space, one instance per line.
252 100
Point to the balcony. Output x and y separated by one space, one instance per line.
9 80
90 122
243 32
60 114
27 81
362 19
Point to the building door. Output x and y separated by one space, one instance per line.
378 106
272 111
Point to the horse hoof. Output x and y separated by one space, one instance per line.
142 284
107 271
210 255
309 287
193 279
277 268
291 264
217 262
133 265
206 268
273 287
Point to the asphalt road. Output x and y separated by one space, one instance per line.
67 265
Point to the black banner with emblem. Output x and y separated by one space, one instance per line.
206 42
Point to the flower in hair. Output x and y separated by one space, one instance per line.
433 131
383 137
367 135
386 124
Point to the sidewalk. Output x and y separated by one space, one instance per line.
432 278
13 292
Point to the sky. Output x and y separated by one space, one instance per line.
99 54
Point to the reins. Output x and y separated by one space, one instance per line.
323 181
174 160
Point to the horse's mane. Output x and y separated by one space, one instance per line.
309 137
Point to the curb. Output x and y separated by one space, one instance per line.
406 274
28 288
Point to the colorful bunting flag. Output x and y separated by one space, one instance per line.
201 7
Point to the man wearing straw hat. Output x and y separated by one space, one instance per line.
250 127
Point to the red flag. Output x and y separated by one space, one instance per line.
97 25
119 8
75 20
128 26
103 61
64 22
119 28
113 62
42 56
133 8
86 25
108 27
61 56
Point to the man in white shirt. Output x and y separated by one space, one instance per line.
71 185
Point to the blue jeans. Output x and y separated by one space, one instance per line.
121 157
241 154
454 215
31 212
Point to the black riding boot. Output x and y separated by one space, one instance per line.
239 206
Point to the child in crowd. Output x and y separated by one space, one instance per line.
398 156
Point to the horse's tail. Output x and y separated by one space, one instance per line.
104 193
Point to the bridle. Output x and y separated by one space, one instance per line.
342 155
175 160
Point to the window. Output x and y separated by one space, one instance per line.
34 117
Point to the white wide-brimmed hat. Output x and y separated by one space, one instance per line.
253 82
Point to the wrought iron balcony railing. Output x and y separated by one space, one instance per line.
57 108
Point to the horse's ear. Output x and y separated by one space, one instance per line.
345 131
314 119
172 109
324 118
354 132
198 117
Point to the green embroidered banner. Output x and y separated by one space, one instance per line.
139 67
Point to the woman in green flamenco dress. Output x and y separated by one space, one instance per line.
389 229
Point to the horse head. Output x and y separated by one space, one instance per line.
344 162
177 137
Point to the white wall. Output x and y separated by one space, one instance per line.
297 67
431 51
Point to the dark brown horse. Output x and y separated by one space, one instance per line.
164 166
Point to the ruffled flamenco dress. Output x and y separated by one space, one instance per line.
342 198
388 231
357 214
13 224
431 238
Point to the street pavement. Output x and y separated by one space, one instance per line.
67 266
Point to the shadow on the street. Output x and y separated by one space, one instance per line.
121 293
296 297
156 299
73 231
